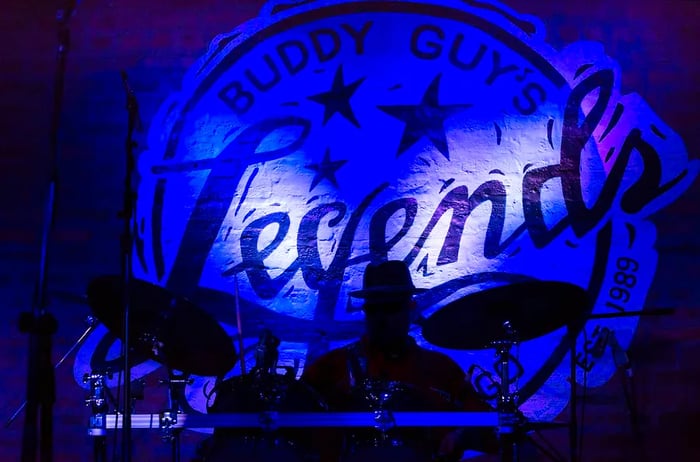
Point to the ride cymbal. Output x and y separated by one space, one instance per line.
532 309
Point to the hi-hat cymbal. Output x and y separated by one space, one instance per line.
531 308
164 327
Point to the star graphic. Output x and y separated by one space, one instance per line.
426 119
337 99
326 169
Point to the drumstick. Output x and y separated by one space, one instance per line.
239 325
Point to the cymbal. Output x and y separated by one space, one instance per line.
532 308
164 327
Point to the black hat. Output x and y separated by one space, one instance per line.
386 280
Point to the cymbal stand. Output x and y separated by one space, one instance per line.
97 427
168 418
507 401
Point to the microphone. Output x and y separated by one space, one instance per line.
125 82
66 10
132 104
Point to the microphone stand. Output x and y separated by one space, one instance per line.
128 215
624 365
92 324
39 323
573 334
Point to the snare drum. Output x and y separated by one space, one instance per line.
260 393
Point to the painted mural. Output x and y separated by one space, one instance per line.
324 135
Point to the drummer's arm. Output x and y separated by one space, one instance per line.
467 399
483 439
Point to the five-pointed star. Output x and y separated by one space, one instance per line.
337 99
326 169
425 119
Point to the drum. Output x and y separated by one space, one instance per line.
387 442
259 393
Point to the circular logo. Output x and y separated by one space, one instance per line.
320 137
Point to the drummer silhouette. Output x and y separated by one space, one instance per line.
387 370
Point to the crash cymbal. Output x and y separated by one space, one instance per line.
164 327
532 308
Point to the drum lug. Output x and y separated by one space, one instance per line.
167 421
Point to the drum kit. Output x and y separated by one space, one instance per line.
262 414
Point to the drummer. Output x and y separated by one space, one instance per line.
386 352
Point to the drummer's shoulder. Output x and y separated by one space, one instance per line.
328 360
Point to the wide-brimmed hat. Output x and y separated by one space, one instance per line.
386 280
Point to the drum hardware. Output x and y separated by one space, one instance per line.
532 309
258 402
164 327
379 393
573 421
239 325
395 429
507 405
271 394
266 353
512 424
168 418
270 389
97 400
278 420
511 314
523 311
97 423
176 383
168 329
384 421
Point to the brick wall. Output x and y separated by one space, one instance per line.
656 43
